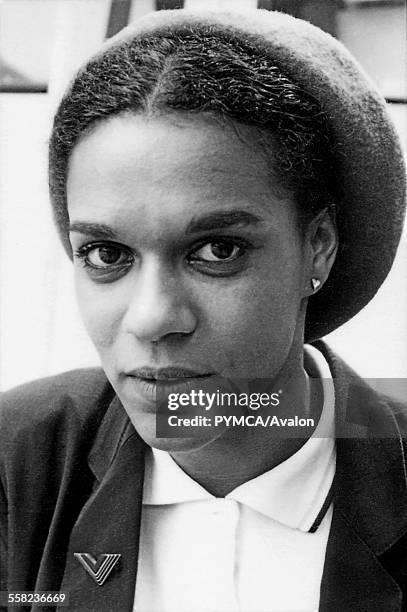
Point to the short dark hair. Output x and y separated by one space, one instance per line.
209 71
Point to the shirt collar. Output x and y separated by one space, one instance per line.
292 493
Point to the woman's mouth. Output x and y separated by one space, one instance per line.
172 373
154 384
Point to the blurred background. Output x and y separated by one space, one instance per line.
42 42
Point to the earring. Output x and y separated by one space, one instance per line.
315 283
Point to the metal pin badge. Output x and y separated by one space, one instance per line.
99 568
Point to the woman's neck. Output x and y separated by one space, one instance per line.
241 453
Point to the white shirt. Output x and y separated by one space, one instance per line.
248 552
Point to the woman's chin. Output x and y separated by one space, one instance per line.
146 427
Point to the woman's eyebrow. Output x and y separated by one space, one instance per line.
221 220
214 220
92 229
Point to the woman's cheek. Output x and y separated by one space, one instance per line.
253 323
101 310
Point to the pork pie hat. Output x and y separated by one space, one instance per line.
368 160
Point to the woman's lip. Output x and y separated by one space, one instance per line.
155 390
167 374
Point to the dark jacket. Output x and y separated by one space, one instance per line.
71 481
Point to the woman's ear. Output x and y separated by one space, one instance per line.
321 241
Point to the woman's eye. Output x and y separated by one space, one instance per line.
218 251
105 257
221 256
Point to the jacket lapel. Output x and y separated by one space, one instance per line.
109 522
370 499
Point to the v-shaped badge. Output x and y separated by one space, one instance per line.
99 568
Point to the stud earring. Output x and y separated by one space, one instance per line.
315 283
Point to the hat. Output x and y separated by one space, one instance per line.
368 160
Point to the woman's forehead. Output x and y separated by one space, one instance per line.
136 162
133 168
213 142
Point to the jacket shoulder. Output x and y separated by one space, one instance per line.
47 428
399 410
66 404
372 400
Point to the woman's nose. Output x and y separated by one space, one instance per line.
158 306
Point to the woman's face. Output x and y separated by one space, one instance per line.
185 258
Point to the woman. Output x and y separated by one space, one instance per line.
227 186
